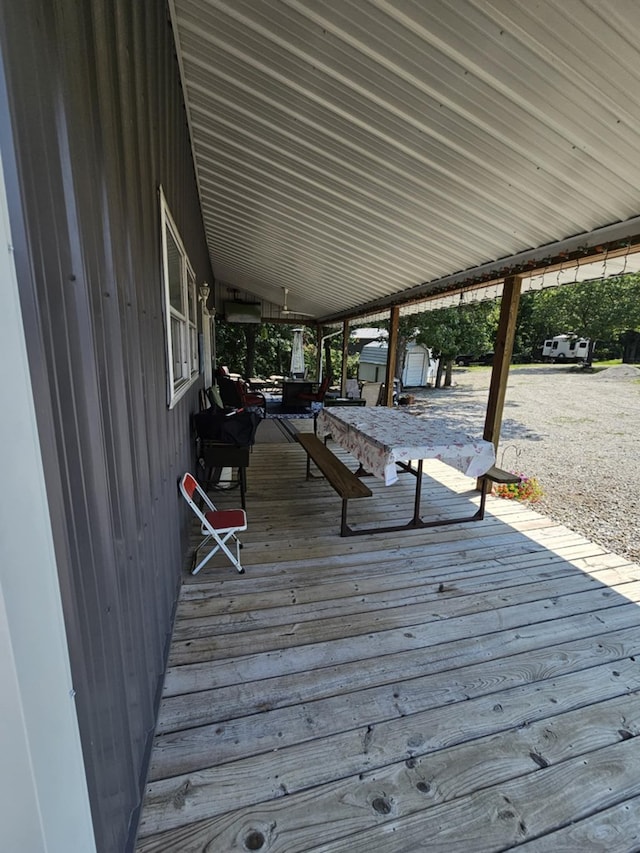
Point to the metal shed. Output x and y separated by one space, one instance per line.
419 367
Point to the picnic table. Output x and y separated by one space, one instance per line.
386 440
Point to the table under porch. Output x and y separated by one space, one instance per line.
464 688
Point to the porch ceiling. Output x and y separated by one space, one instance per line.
350 150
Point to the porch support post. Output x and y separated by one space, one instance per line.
503 350
345 355
207 353
319 353
392 353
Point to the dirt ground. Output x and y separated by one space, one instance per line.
575 430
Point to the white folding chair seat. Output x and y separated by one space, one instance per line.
217 525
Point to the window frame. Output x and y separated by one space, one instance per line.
181 322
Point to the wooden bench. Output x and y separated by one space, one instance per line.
342 480
493 475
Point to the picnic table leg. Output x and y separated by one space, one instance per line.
362 472
483 498
344 527
416 502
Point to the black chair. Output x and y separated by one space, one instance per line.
236 395
225 440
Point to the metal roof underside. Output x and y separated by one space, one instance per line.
354 150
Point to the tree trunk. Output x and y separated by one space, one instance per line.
630 347
250 332
327 358
448 373
400 357
439 371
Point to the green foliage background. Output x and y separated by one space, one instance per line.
271 344
603 310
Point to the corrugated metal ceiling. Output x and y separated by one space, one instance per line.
349 150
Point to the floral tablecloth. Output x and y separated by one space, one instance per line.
379 437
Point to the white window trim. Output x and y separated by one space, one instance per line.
188 343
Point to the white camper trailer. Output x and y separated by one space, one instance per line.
567 347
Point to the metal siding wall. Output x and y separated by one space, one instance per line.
98 125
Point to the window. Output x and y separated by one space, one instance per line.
180 307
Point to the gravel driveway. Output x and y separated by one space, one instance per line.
576 431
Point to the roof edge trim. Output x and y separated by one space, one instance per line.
618 236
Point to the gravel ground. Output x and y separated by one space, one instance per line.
576 431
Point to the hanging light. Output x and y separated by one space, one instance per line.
626 259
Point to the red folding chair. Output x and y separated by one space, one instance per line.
218 525
316 396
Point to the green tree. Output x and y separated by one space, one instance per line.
259 350
603 310
231 345
527 339
273 350
465 328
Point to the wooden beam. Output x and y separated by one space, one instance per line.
392 352
503 350
573 251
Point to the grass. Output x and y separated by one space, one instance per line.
524 365
597 366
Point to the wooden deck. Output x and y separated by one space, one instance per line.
466 688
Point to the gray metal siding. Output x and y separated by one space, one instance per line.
97 125
374 354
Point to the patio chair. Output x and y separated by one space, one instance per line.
352 389
236 395
204 401
217 525
316 396
251 398
371 393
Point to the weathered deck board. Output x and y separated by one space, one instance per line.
300 662
532 585
614 829
238 699
408 787
191 749
463 688
535 802
356 567
570 592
